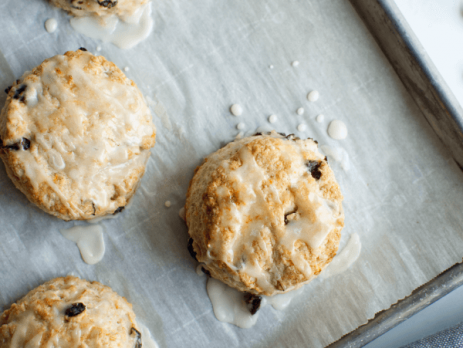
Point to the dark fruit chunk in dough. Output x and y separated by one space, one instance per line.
107 3
25 143
118 210
191 250
205 271
19 93
75 309
314 169
252 302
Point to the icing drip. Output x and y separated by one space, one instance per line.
337 154
229 306
51 25
337 130
146 338
345 258
124 32
90 241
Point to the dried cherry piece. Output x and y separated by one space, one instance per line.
83 49
107 3
138 341
252 302
206 272
14 147
79 2
258 133
75 309
191 250
314 168
7 90
118 210
19 93
26 143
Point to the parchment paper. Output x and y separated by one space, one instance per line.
403 193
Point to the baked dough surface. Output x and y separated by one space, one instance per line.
265 213
76 135
69 313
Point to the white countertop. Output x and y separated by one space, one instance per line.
439 26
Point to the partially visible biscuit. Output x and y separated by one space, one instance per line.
265 213
75 136
100 8
70 312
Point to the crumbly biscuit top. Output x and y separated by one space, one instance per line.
101 8
69 313
265 212
77 124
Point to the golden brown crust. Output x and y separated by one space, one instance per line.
219 213
66 127
42 318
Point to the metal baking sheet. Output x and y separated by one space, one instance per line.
403 192
444 114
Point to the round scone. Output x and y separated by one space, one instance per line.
264 213
70 313
76 134
101 8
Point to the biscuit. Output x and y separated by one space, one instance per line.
100 8
76 135
70 312
264 213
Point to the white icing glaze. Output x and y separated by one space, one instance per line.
337 154
337 130
181 213
320 118
281 301
240 126
272 118
124 32
146 338
314 220
199 270
167 204
302 127
228 305
300 111
271 66
95 144
98 48
100 307
150 101
349 254
239 136
90 241
236 110
313 96
126 69
51 24
295 63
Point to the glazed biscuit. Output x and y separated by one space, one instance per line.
264 213
75 136
69 313
101 8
